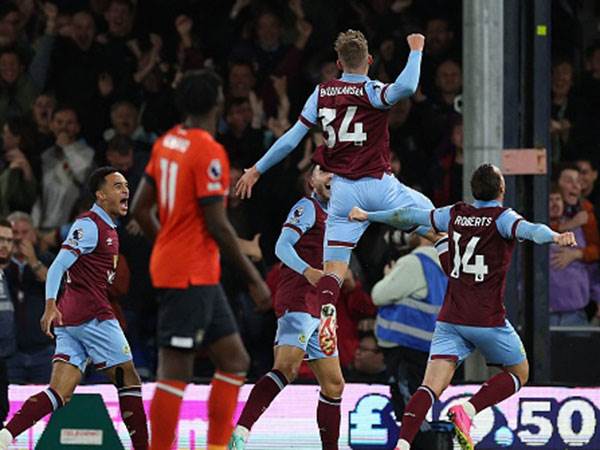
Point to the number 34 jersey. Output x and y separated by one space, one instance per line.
481 239
187 167
354 116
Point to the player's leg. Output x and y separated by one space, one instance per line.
448 350
107 346
291 340
501 346
183 316
231 360
69 364
329 374
175 369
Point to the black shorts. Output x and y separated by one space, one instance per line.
195 316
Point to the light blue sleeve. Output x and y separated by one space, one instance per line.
309 113
441 218
82 237
536 232
282 147
506 222
300 219
57 269
402 217
383 96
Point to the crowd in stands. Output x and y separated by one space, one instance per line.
90 82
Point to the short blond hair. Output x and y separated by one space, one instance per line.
352 48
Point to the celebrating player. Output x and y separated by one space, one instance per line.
84 323
300 247
188 177
353 114
476 255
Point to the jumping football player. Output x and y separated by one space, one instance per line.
476 256
353 113
187 178
300 248
84 323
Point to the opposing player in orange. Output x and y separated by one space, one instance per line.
187 178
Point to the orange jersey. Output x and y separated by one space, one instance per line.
187 165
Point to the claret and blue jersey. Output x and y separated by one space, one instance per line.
352 112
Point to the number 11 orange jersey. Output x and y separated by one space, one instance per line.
187 166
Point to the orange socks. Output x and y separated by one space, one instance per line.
221 407
164 413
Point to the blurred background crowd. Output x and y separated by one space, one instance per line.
89 82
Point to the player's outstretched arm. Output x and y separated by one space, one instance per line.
57 269
278 151
407 82
542 234
285 251
399 217
142 208
222 231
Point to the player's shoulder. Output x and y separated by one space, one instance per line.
302 206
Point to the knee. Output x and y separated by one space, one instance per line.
236 363
289 369
333 388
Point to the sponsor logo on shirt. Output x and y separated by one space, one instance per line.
109 241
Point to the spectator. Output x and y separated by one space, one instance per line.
122 155
10 19
572 281
566 109
241 79
18 184
65 167
408 298
447 170
42 110
355 311
368 365
440 46
243 142
578 212
125 120
448 84
121 50
18 89
26 273
272 56
8 343
77 62
588 175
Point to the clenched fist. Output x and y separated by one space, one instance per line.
416 41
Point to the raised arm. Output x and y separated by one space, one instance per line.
404 218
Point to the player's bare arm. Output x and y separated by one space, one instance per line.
51 316
223 233
313 275
359 215
142 209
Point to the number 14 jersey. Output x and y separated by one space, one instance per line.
187 167
481 239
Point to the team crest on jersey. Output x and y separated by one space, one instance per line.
215 170
78 234
297 214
